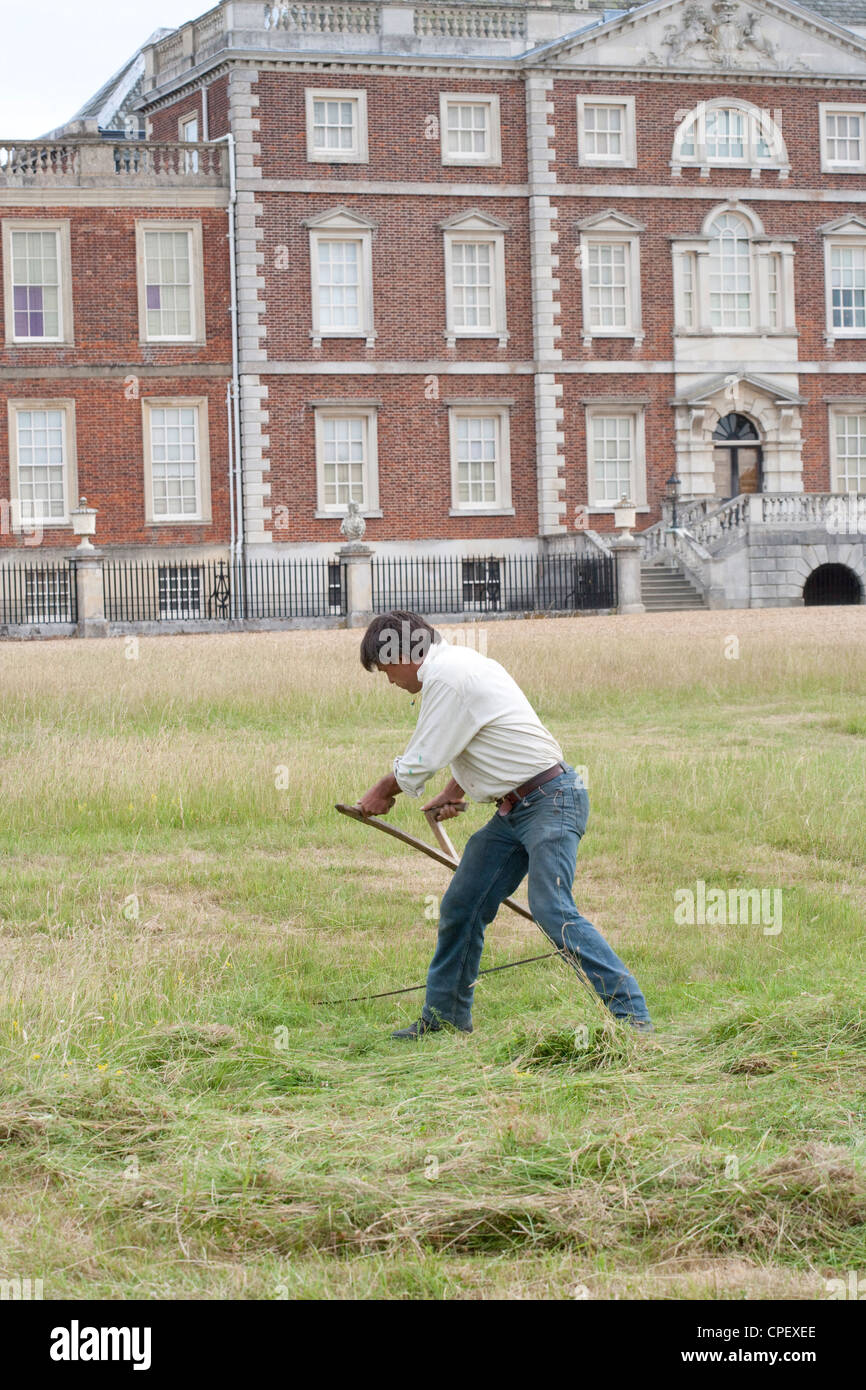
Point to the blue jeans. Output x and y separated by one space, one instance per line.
539 835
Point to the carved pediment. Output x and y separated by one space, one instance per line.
717 36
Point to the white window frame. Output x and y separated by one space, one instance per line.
492 155
758 125
475 227
628 158
841 108
202 515
501 413
369 413
190 159
343 225
70 463
359 153
636 412
847 231
60 227
834 410
194 232
763 250
613 229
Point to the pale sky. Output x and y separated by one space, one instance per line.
54 54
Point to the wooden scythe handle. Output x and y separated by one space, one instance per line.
448 856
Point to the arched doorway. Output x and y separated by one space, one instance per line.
737 456
832 584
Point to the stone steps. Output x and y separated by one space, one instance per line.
665 589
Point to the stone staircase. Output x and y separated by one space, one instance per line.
665 588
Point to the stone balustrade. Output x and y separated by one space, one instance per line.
481 27
464 22
89 163
323 18
836 513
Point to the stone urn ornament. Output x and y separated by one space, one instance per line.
353 526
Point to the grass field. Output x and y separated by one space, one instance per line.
180 1119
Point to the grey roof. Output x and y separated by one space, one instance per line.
116 97
845 12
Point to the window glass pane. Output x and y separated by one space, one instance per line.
477 458
168 284
472 283
36 284
730 273
611 437
344 458
603 130
334 124
725 136
848 286
467 131
851 453
608 286
339 284
41 464
844 137
174 460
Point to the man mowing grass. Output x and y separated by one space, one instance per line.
477 719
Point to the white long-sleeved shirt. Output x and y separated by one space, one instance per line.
477 719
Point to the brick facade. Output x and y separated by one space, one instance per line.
546 371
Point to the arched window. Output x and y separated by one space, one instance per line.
730 272
726 132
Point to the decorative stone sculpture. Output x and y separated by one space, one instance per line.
353 525
719 35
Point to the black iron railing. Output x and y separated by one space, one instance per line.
207 590
38 593
510 584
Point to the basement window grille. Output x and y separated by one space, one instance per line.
179 592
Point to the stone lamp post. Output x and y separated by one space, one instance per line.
627 552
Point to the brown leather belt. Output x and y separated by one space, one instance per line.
506 804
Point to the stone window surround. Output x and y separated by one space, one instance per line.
61 227
197 338
628 158
202 515
476 226
760 123
606 229
350 409
342 224
762 247
184 121
70 461
835 409
493 154
359 153
844 231
842 108
636 411
500 410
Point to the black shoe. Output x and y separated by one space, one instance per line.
642 1025
421 1026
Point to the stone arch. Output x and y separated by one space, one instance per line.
776 419
848 554
842 585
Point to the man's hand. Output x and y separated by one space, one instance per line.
380 798
448 803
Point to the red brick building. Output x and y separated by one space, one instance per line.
482 268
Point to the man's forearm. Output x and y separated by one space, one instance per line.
380 798
453 792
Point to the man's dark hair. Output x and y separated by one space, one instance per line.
396 638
